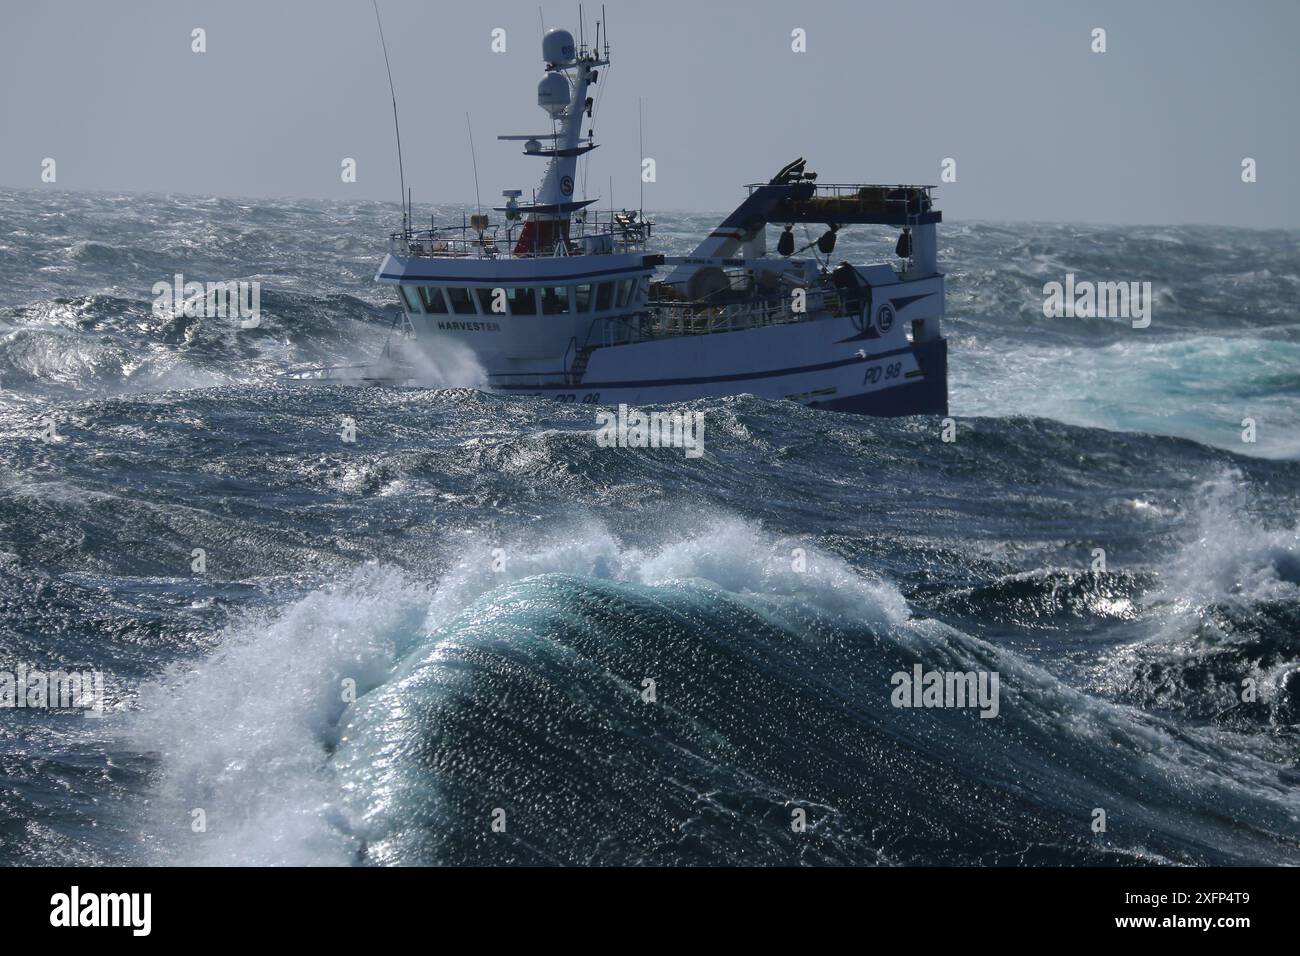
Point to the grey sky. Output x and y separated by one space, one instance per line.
1152 131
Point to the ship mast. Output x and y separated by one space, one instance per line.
562 92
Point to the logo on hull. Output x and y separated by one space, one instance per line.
885 318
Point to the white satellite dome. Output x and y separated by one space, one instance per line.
553 93
558 48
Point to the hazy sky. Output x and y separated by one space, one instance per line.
1154 130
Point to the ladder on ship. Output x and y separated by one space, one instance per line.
576 367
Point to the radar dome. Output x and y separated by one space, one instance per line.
558 48
553 93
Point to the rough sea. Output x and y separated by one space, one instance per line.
435 644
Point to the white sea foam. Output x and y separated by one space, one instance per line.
1232 556
244 734
453 365
1231 559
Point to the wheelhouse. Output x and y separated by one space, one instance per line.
602 298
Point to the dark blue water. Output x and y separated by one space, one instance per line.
498 589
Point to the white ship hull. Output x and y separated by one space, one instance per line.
906 381
824 361
858 362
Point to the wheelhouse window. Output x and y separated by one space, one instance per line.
625 289
604 296
433 300
411 296
461 303
523 300
555 300
485 300
582 297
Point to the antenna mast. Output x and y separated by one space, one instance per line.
640 172
401 175
470 130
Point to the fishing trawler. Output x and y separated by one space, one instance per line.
555 300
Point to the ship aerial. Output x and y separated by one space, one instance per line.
553 298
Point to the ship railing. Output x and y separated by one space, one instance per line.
664 319
898 192
619 329
617 233
672 318
894 203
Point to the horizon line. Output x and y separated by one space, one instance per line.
663 210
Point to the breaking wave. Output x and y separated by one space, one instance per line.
616 706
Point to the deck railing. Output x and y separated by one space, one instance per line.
702 318
497 241
669 318
902 204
